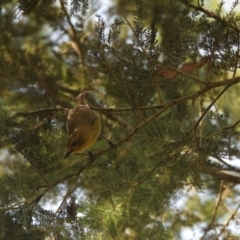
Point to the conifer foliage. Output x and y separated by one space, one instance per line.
164 79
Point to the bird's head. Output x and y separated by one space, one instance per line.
82 98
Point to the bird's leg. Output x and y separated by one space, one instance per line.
82 154
69 153
91 156
112 145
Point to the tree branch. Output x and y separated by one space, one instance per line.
74 34
208 108
209 227
227 223
210 14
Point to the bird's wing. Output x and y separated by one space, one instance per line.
80 117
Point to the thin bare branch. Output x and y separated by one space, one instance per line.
210 225
192 96
208 108
227 223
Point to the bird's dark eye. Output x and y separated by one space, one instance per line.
73 144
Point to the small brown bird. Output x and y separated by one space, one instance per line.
84 126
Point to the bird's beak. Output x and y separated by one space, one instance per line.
67 154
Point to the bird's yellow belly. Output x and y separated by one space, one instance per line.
91 137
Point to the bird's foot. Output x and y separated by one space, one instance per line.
111 144
91 156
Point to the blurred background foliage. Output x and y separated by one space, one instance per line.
164 78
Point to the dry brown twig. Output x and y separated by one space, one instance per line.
211 224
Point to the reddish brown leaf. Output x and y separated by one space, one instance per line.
187 68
